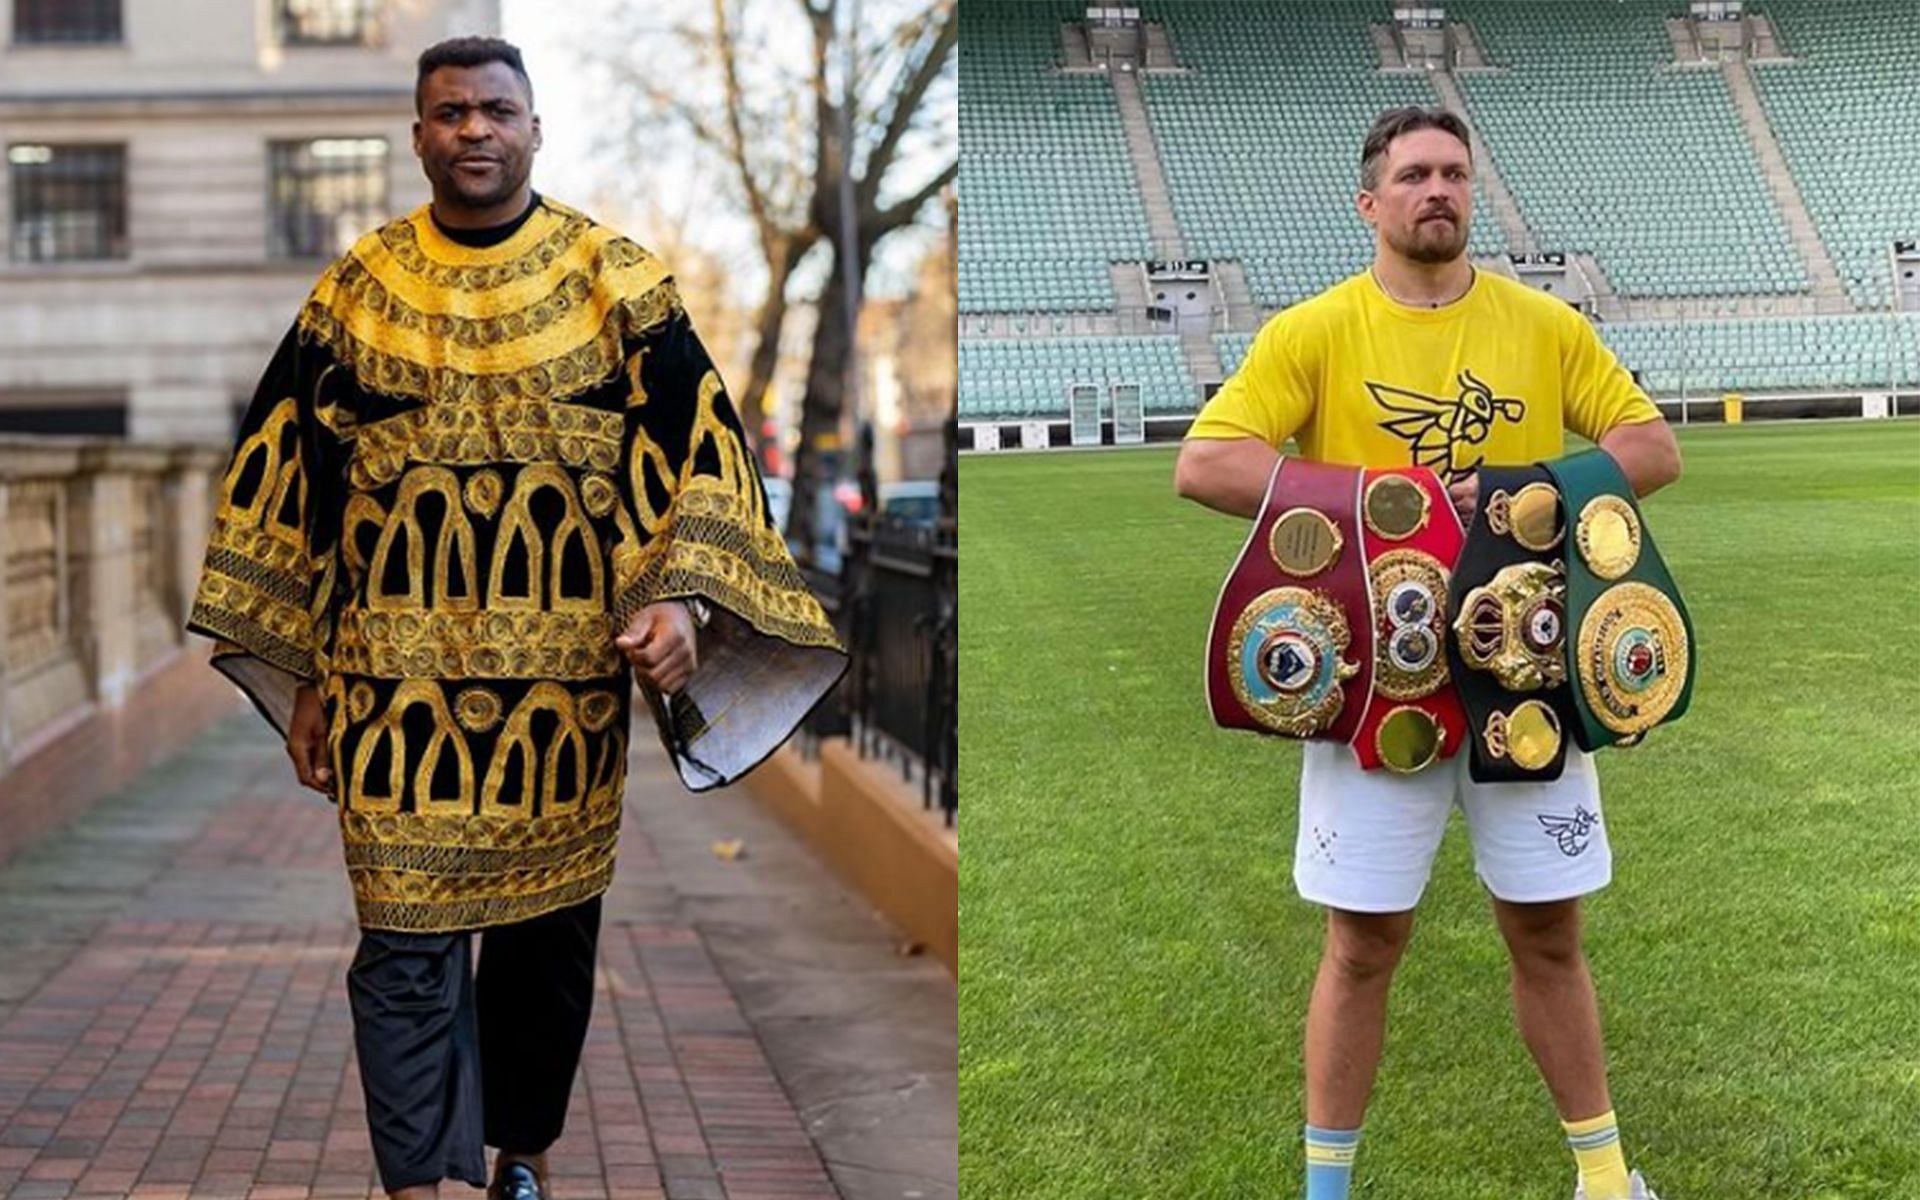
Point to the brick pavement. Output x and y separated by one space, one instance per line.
174 1021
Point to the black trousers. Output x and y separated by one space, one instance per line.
454 1060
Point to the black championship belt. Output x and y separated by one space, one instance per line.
1508 642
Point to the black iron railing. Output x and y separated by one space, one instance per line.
904 625
895 604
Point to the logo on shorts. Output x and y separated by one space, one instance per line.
1571 833
1323 841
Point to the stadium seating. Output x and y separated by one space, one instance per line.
1783 354
1008 378
1865 350
1607 146
1261 142
1049 196
1854 66
1607 149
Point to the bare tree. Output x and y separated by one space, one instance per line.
687 81
855 210
741 83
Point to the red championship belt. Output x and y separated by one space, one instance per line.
1411 538
1291 647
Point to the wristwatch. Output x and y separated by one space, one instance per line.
697 608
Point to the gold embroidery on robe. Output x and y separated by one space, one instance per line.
464 472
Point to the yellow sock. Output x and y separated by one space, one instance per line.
1596 1150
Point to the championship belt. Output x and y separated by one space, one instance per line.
1508 643
1412 538
1283 657
1630 641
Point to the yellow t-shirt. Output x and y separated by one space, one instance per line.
1362 380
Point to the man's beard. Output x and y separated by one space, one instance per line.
474 195
1444 244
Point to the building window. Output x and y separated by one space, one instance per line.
330 22
83 413
69 202
66 21
326 193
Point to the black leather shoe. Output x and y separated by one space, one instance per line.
517 1181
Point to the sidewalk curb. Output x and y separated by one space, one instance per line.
868 826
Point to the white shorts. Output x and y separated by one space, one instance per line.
1367 838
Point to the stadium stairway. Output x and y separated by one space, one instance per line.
1828 295
1766 39
1161 226
1607 303
1203 357
1387 45
1686 47
1842 109
1608 149
1129 290
1472 55
1242 312
1519 238
1074 55
1160 55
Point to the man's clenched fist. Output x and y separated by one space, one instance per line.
1465 494
659 644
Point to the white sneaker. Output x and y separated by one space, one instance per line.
1640 1190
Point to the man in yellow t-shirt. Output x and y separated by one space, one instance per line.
1421 360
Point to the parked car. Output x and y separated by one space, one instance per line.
829 523
913 501
779 499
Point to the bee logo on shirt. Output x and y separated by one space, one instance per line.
1571 833
1443 432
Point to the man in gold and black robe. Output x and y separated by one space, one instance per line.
489 478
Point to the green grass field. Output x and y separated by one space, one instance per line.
1135 964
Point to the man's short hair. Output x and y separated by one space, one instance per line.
469 52
1394 123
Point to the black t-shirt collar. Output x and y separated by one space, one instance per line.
493 235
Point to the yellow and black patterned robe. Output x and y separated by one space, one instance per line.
462 474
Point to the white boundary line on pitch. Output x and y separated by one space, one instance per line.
1679 430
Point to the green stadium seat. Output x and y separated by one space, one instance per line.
1029 377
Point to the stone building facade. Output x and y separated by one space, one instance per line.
177 174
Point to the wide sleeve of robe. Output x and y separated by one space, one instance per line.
694 522
266 587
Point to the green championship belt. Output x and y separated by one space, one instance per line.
1629 640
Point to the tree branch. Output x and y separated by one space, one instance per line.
895 215
908 97
736 138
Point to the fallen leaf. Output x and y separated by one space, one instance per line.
729 851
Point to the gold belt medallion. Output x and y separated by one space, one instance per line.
1395 507
1410 596
1285 660
1529 735
1531 516
1514 626
1608 536
1632 657
1409 740
1304 542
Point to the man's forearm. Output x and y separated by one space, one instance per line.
1647 453
1226 476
